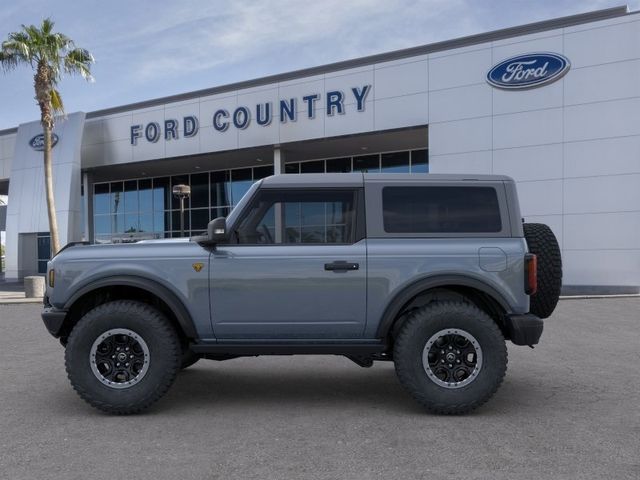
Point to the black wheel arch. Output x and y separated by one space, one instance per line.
132 287
483 295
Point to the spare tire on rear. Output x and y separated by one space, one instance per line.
543 243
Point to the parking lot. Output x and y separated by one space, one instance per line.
568 409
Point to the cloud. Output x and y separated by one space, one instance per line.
153 49
184 40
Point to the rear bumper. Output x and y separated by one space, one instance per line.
524 329
53 319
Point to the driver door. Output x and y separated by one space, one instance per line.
297 269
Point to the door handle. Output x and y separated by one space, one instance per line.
341 266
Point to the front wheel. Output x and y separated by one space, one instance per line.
122 356
450 356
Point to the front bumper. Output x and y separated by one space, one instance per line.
53 319
524 329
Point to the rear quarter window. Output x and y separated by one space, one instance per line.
441 209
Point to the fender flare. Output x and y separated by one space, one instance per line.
408 292
163 293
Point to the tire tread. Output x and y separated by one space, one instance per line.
406 335
162 325
542 242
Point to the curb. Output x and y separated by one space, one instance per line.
586 297
18 301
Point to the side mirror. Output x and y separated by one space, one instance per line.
216 232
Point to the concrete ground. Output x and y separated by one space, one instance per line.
570 409
13 293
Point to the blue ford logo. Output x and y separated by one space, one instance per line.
528 71
37 142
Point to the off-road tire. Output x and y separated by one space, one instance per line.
164 356
543 243
414 334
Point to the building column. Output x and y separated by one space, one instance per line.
278 169
88 208
278 160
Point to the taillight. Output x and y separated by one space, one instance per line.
530 274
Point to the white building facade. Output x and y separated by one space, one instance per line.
555 105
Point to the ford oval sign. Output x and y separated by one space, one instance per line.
37 142
528 71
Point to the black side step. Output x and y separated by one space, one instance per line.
289 348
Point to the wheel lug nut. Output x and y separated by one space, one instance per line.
126 364
450 347
458 352
130 356
457 361
127 349
441 351
450 365
442 361
117 364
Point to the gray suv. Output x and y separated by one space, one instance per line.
431 272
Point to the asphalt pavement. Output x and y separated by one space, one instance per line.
570 409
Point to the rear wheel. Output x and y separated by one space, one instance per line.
543 243
122 356
450 356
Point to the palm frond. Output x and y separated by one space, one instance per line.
56 101
79 61
47 26
9 61
49 53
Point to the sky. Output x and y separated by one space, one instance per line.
149 49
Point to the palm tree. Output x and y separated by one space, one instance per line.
50 55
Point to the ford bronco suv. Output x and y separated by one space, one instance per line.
431 272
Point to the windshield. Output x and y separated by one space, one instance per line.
232 217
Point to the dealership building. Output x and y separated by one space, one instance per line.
553 104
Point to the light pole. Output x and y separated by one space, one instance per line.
181 192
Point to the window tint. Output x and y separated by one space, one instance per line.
299 217
440 210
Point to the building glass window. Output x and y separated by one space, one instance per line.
415 161
145 195
241 180
339 165
396 162
161 194
366 163
262 172
312 167
199 190
420 161
101 198
292 167
132 210
220 188
44 250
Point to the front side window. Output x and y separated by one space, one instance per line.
299 217
441 209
